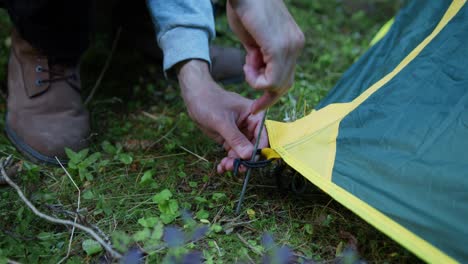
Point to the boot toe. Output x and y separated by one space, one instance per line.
43 139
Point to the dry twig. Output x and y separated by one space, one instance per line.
55 220
195 154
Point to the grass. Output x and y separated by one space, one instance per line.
142 150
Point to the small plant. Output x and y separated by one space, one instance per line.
168 207
176 243
117 152
82 163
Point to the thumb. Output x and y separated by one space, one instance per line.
267 99
237 141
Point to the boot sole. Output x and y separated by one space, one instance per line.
29 152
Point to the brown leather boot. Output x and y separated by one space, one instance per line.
45 112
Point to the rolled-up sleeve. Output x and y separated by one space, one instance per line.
184 29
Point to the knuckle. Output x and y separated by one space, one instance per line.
299 39
238 141
293 43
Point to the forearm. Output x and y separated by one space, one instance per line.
184 29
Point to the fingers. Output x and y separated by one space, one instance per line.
253 126
254 122
267 99
254 69
237 26
273 80
227 163
264 143
236 140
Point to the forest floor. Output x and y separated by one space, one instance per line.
147 160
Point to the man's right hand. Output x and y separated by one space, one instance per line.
273 42
222 115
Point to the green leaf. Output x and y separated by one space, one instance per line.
45 236
104 163
167 218
75 157
118 148
219 196
142 235
206 178
125 158
173 207
202 214
339 249
3 259
82 154
327 221
108 148
164 195
170 207
91 159
309 229
88 195
147 178
121 240
216 228
200 199
148 221
107 210
71 154
91 247
164 207
158 231
85 174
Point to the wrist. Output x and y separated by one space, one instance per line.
192 70
194 78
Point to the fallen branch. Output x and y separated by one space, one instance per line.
10 171
85 229
80 219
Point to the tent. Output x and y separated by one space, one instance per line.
390 141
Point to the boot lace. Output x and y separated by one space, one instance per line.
58 76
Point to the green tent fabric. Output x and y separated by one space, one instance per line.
390 141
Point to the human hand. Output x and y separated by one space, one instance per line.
273 42
224 116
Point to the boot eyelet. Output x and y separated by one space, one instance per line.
38 68
39 82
